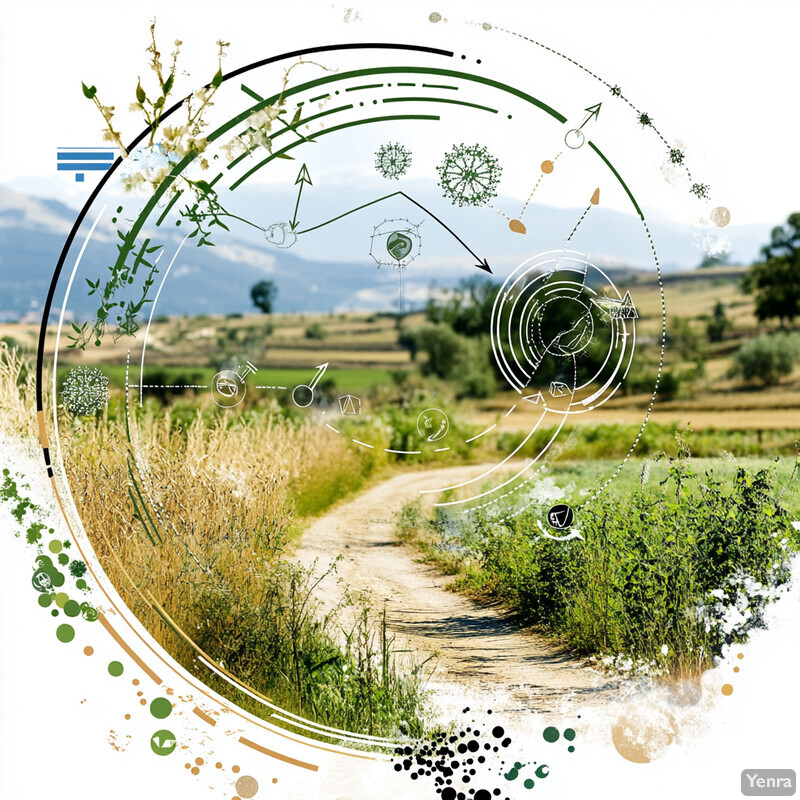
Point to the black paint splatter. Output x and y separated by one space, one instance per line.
449 758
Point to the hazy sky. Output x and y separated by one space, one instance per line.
718 76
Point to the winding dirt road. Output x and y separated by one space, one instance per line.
481 655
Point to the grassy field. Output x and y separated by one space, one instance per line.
353 379
364 354
578 477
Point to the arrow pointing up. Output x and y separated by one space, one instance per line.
593 111
302 178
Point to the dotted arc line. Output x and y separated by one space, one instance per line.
612 89
166 386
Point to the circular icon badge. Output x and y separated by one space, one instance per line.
560 516
281 234
574 139
399 245
163 742
433 425
227 389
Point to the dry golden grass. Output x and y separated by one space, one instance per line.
17 389
191 523
220 495
191 526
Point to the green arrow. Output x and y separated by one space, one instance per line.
302 178
594 112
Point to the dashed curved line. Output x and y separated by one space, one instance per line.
482 433
596 77
496 466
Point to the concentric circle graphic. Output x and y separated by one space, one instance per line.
434 311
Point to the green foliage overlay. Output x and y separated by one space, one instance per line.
654 569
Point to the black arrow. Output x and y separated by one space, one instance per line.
482 262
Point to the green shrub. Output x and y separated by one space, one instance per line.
663 578
316 331
683 338
669 385
460 359
283 646
768 357
718 324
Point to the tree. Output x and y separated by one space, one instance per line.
715 260
775 281
462 360
719 324
316 331
768 357
263 295
467 309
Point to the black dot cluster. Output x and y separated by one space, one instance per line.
453 757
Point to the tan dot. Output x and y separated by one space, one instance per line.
88 650
218 765
727 689
274 780
199 762
127 716
643 737
246 786
736 669
195 770
740 656
547 167
143 702
135 681
187 765
720 216
235 768
139 694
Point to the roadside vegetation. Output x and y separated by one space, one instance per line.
192 522
665 576
192 525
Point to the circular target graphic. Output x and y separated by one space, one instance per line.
560 307
329 326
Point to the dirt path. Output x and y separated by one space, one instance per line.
481 654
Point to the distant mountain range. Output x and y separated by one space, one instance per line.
209 280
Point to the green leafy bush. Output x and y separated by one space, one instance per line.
280 643
460 359
316 331
664 579
768 357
